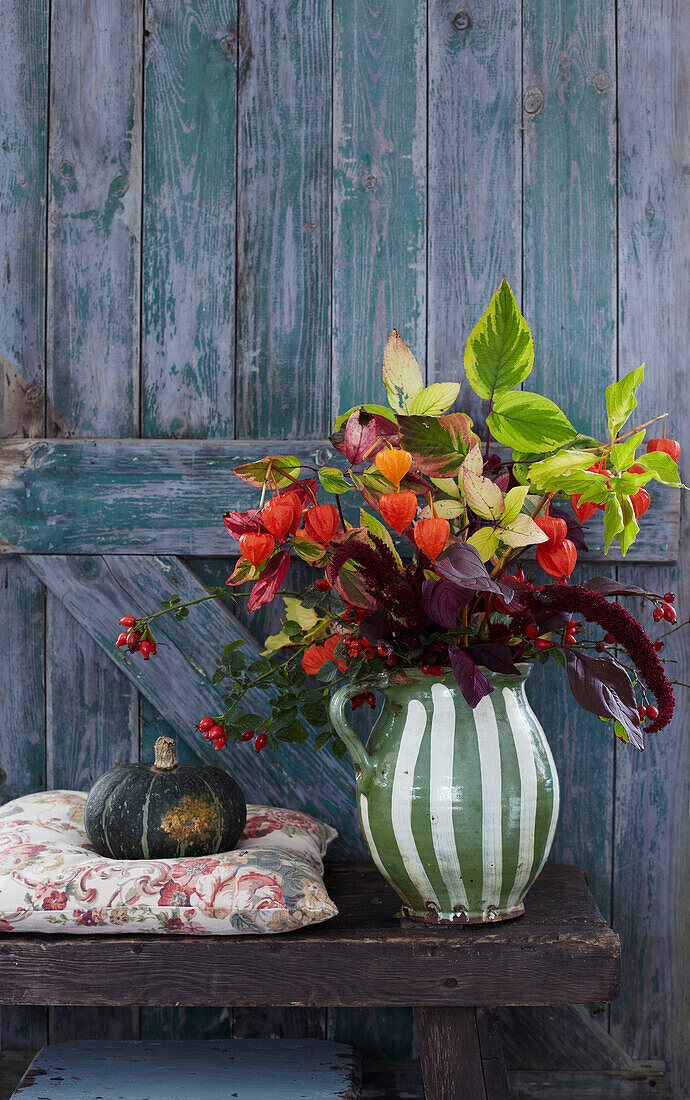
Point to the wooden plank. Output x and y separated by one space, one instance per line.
569 300
450 1054
94 216
642 1081
189 219
475 174
570 202
284 253
22 736
561 951
168 496
23 115
98 590
379 190
23 137
652 838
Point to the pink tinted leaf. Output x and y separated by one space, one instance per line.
270 580
471 681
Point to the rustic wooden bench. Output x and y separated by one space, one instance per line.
561 952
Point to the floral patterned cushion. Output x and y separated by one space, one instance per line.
52 880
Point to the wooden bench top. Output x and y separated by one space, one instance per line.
560 952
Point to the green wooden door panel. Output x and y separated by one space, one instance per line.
569 300
284 218
94 216
651 864
475 179
188 277
379 190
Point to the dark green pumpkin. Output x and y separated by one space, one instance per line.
165 809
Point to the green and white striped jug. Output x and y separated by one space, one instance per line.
458 806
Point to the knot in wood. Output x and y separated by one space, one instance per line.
602 82
461 21
533 101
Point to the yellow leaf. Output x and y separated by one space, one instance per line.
485 541
305 616
435 399
401 374
513 503
473 460
447 485
444 509
522 531
483 496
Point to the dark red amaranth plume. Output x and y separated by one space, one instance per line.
623 627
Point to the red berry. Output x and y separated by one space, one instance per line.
669 597
370 698
392 661
669 612
600 647
532 631
322 584
436 670
145 649
247 735
132 638
652 712
382 650
369 652
542 643
658 614
128 621
642 711
122 639
357 701
220 742
609 638
260 741
658 646
520 576
426 670
215 732
205 725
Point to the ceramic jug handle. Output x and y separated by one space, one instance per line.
336 711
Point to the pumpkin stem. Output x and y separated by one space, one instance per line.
164 754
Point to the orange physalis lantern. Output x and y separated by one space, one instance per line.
321 523
393 464
398 509
256 547
431 535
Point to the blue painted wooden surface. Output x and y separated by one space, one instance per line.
249 1069
210 216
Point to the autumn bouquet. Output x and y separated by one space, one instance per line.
419 531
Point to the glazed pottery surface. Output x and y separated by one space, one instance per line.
458 807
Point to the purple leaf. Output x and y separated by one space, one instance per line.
375 627
443 604
270 580
496 656
362 436
472 682
604 586
601 686
462 567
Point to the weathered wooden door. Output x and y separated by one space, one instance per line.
213 212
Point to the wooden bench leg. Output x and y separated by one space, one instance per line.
461 1054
